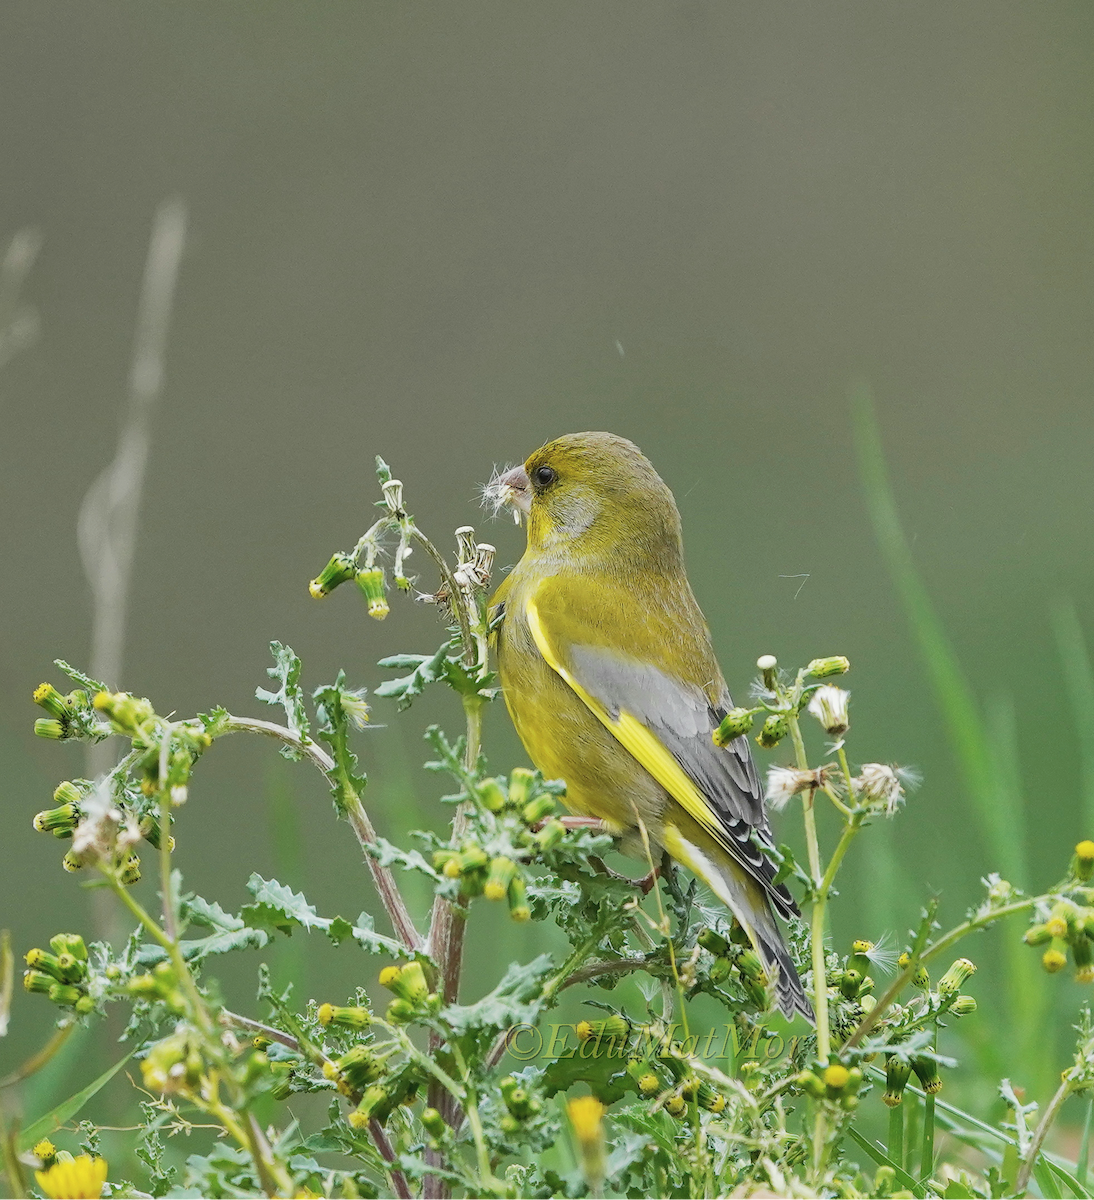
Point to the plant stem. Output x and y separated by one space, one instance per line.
1050 1114
170 924
382 877
944 943
458 607
201 1013
895 1147
820 980
926 1154
1084 1149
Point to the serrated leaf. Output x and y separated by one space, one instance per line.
515 1001
404 690
338 930
605 1075
333 728
91 686
215 722
290 696
279 907
402 662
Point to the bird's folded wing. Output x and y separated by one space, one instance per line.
667 724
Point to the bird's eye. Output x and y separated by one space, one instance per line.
544 476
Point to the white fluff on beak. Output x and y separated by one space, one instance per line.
509 489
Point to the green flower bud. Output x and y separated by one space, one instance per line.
433 1123
407 982
773 730
859 959
518 900
611 1027
822 668
130 871
340 568
1055 957
1037 935
509 1125
38 981
50 727
709 1099
1082 954
353 1017
441 859
721 970
836 1077
897 1074
502 870
472 857
58 821
535 810
1083 865
850 983
491 795
550 835
73 861
927 1071
884 1181
373 1099
962 1006
67 793
48 697
521 783
65 994
145 986
748 963
960 971
736 723
357 1068
69 943
371 583
712 940
810 1084
150 831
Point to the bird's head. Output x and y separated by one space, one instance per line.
593 494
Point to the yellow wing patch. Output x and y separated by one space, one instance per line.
646 747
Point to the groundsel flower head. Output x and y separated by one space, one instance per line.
785 782
882 787
829 706
355 708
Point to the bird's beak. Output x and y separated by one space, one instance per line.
512 490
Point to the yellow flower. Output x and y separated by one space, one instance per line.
836 1076
80 1179
586 1114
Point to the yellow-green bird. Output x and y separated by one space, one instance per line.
609 675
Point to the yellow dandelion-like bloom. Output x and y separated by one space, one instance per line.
80 1179
586 1114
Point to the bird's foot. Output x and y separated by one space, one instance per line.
643 885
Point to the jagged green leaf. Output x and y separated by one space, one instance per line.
279 907
515 1001
91 686
290 696
334 703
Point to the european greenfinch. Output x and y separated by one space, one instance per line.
608 672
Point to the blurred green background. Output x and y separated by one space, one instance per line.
447 233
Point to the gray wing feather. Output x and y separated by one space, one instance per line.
682 716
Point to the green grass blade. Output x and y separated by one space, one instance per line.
1046 1181
67 1109
1079 681
985 756
883 1160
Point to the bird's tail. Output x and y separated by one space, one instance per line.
748 902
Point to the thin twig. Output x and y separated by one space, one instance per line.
382 877
1021 1184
